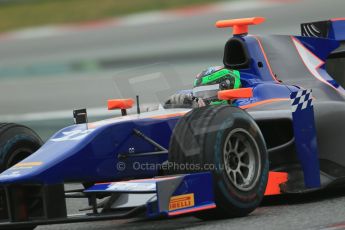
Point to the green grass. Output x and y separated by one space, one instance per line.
27 13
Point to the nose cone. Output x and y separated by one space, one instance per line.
57 149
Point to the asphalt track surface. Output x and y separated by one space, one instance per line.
36 76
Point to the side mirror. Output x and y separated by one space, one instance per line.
232 94
122 104
80 116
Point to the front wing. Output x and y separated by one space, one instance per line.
157 197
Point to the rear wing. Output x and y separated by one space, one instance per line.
333 29
330 29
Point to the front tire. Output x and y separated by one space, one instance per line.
228 139
17 142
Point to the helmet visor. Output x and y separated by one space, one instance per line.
207 92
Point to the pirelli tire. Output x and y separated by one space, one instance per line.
16 143
207 137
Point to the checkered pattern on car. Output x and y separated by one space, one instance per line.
301 99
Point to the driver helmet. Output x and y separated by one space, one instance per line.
210 81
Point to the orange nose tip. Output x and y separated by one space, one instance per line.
240 25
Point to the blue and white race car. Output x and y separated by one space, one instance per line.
280 132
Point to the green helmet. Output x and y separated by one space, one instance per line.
210 81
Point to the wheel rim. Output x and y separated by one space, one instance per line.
241 159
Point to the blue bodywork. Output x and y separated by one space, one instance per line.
305 136
336 31
81 154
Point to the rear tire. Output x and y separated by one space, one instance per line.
17 142
207 136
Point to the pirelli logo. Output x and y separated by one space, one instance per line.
181 201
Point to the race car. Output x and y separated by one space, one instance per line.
280 132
